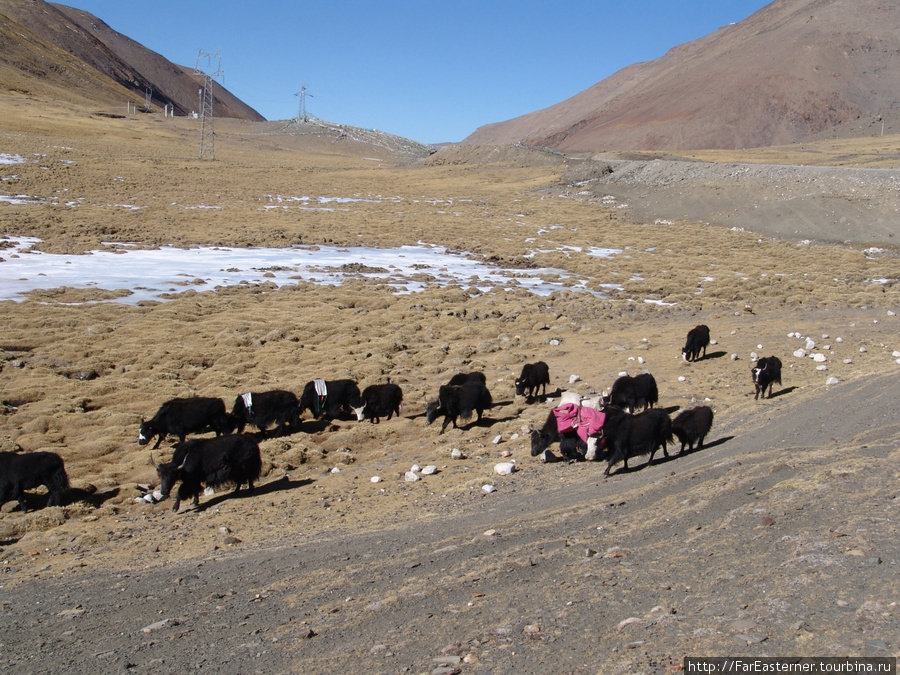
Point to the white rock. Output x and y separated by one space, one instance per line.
497 439
820 358
754 356
822 367
157 495
375 479
831 380
514 436
839 339
827 348
335 470
411 477
429 470
640 359
573 378
713 342
891 313
623 373
456 453
504 468
682 378
208 492
898 360
488 489
848 361
631 358
554 342
759 346
800 353
810 344
863 350
415 468
734 357
790 335
896 355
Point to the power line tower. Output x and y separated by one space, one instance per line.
301 112
207 134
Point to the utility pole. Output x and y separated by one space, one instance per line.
207 134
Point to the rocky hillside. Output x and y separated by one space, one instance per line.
57 52
792 70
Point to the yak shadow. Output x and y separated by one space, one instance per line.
782 392
713 355
35 502
280 485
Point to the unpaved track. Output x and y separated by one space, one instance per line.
511 583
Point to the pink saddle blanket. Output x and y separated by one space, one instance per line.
585 421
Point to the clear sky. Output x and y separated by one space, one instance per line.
429 70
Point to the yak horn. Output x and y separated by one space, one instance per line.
152 463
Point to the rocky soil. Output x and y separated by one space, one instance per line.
777 538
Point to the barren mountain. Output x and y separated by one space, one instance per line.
57 52
792 70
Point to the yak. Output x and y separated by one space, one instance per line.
263 408
629 392
183 416
330 398
697 340
534 375
627 436
766 372
28 470
691 426
459 400
212 462
377 401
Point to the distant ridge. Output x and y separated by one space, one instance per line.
55 51
794 69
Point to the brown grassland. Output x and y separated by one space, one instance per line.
778 539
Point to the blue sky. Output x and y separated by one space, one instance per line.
430 70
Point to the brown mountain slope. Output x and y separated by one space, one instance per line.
54 51
791 70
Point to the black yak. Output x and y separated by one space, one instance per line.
628 436
459 401
28 470
629 392
766 372
534 375
264 408
691 426
183 416
377 401
211 462
697 339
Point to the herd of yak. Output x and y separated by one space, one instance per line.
581 426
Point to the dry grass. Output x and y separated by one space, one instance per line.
222 343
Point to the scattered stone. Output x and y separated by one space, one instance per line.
734 357
335 469
456 453
831 381
415 468
820 358
627 622
863 350
429 470
157 625
375 479
504 468
497 439
800 353
573 379
750 639
488 489
411 477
